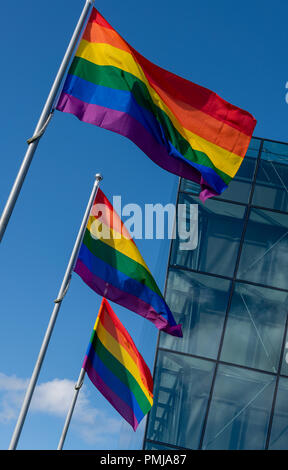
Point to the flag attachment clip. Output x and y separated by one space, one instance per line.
41 131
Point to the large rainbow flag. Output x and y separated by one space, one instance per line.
184 128
117 369
110 263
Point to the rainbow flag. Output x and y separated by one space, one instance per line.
117 369
184 128
110 263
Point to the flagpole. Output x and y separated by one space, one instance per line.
72 406
43 121
58 301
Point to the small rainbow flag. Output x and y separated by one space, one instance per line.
184 128
117 369
110 263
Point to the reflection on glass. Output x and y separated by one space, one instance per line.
240 186
220 226
154 446
271 189
181 389
253 148
199 303
279 431
240 410
264 254
275 151
255 326
284 368
190 186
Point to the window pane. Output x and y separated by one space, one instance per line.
255 326
271 188
253 149
154 446
189 186
284 369
220 226
275 151
240 410
181 391
199 303
279 431
264 254
240 186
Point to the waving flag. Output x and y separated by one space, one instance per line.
183 127
117 369
110 263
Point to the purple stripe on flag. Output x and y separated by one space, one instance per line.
111 396
124 299
124 124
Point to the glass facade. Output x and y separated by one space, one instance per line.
224 385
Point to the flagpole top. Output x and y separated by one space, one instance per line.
98 177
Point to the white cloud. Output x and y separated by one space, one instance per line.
54 398
12 389
12 383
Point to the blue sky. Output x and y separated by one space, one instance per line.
236 50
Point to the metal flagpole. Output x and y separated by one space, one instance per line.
58 301
43 121
72 406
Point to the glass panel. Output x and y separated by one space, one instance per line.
189 186
279 431
240 410
239 188
271 189
255 326
154 446
264 254
284 368
275 151
253 149
199 303
220 226
181 389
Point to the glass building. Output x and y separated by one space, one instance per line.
224 385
